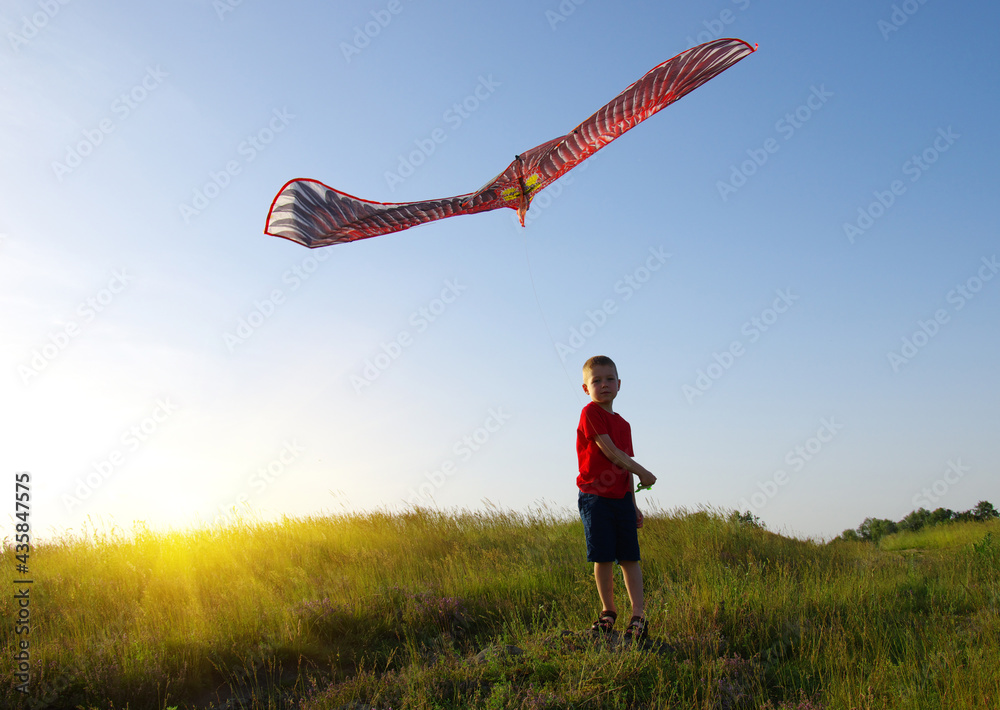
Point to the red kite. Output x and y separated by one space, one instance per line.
315 215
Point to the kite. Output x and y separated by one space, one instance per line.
316 215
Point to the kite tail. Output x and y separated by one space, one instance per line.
315 215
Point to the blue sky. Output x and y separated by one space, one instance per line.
795 266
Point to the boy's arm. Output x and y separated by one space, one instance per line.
622 460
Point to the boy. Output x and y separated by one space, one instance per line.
607 506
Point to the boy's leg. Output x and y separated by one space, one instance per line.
632 573
604 576
598 525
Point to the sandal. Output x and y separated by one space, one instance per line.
637 629
605 622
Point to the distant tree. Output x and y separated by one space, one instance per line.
874 529
984 511
941 515
915 520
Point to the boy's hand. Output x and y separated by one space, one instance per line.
646 479
638 518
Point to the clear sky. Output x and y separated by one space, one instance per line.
795 266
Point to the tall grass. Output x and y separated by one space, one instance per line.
456 610
943 536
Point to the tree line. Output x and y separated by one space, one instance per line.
874 529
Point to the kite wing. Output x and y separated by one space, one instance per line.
315 215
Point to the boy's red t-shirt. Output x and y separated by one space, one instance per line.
597 474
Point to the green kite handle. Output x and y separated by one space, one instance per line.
641 487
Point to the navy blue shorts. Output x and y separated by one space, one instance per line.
609 524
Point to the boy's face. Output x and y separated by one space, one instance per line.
602 384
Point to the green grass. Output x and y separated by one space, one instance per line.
940 537
390 611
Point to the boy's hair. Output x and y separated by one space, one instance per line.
599 360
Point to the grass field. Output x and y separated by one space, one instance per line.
461 610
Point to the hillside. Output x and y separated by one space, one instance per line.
458 610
